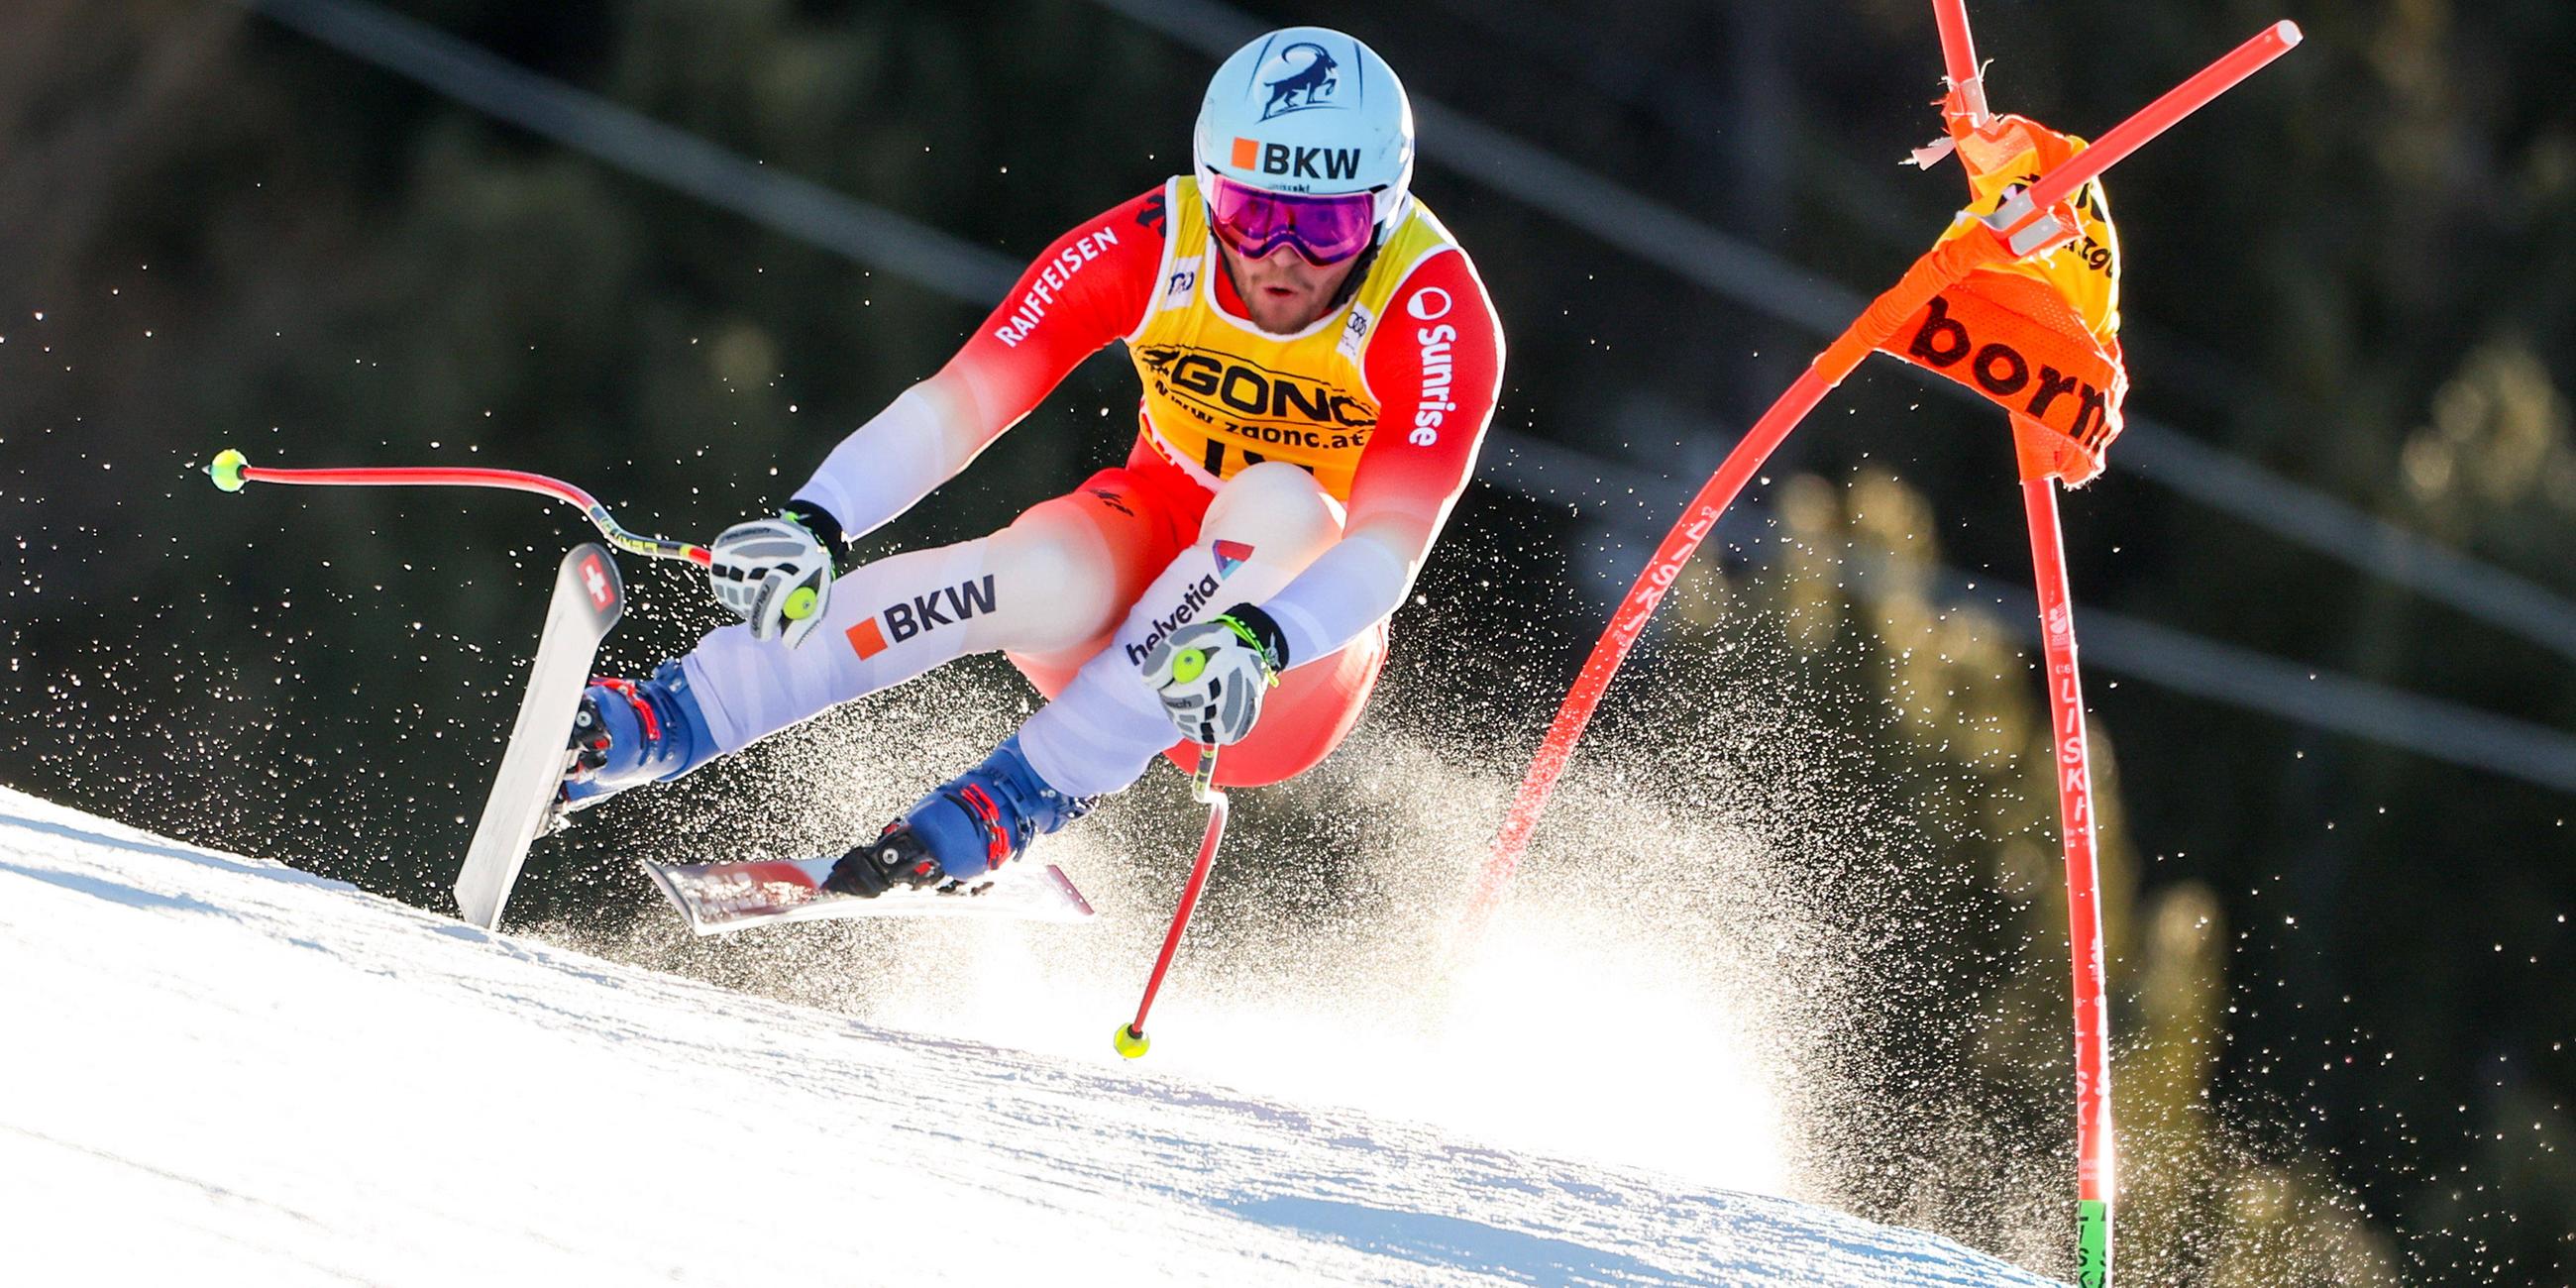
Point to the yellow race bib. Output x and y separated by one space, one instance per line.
1222 394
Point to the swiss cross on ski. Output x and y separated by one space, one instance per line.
594 578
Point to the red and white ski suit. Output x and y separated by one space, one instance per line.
1308 474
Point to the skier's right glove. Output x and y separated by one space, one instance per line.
776 574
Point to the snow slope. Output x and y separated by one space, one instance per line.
215 1070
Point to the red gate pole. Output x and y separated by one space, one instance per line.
1626 625
2021 226
1959 57
2008 232
2095 1172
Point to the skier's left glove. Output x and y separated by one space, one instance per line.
1210 675
777 573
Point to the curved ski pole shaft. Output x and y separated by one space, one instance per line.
1130 1039
230 472
2073 767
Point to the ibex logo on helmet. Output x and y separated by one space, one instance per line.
1299 90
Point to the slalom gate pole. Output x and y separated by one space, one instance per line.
1130 1039
1959 56
1946 263
230 471
2008 232
2094 1150
1627 623
2096 1176
2096 1172
2146 123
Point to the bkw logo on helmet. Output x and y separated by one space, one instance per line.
1280 159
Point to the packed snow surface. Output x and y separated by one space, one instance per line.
218 1070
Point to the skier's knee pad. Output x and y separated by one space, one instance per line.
1277 509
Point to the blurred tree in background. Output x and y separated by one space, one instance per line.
2343 968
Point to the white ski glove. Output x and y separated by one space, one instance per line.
1210 675
776 573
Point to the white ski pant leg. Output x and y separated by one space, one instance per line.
1044 584
1106 727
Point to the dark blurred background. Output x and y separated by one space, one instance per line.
2324 590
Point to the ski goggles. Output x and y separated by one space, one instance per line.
1322 230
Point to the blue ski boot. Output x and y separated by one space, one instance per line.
973 824
634 731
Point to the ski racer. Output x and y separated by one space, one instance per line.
1319 361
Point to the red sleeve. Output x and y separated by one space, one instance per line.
1087 289
1435 365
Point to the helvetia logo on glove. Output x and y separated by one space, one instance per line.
907 618
1197 597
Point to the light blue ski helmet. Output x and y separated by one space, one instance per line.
1309 110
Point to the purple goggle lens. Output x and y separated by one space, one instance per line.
1323 230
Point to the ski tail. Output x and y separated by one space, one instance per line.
589 597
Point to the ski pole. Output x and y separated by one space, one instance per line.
2007 233
1130 1038
230 470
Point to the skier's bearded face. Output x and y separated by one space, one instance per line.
1283 292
